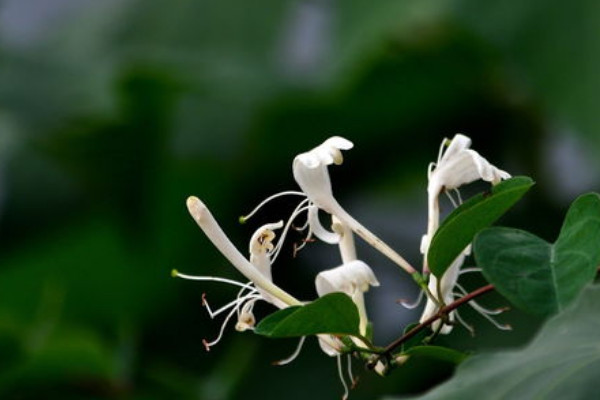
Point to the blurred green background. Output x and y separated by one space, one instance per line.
113 112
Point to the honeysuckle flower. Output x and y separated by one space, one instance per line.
311 173
257 269
457 165
353 278
310 170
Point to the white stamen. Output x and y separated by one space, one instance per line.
414 304
341 375
268 199
486 313
294 354
302 207
449 196
457 192
464 324
484 310
176 273
350 375
469 270
208 345
504 327
227 306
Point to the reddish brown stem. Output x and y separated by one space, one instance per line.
443 311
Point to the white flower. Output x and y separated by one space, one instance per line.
257 270
311 174
456 166
353 278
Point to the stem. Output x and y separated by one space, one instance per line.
443 311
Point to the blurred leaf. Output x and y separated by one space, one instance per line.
551 53
459 228
561 363
84 272
537 276
334 313
69 357
438 353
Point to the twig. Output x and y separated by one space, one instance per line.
443 311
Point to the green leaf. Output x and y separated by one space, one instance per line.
438 353
334 313
477 213
561 363
539 277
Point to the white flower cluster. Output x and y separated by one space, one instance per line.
456 166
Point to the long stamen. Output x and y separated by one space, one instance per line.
177 274
350 375
294 355
484 310
341 375
414 304
486 313
208 345
445 143
504 327
236 302
469 270
457 192
300 208
430 169
244 218
449 196
464 324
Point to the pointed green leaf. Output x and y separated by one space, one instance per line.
334 313
475 214
560 363
537 276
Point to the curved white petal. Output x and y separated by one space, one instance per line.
458 143
317 228
349 278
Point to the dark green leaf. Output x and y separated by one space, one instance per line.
438 353
537 276
477 213
561 363
334 313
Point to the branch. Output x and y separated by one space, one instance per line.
443 311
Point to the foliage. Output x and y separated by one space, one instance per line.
461 226
112 113
559 363
537 276
334 313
